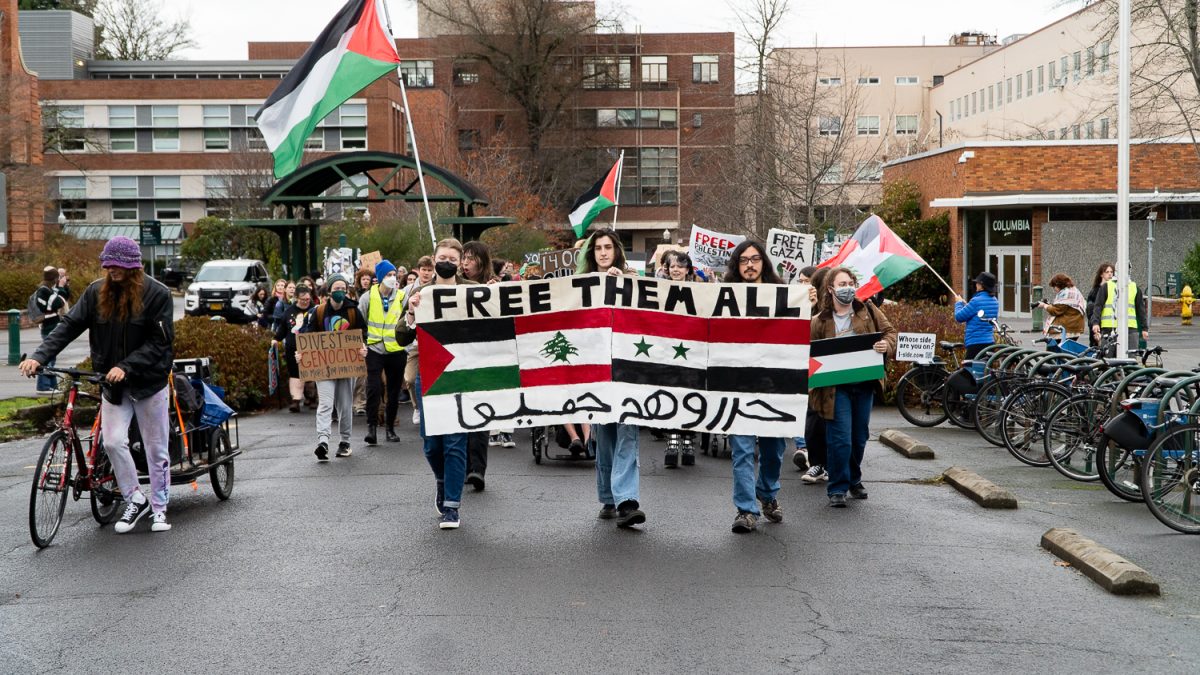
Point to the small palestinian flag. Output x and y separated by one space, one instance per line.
878 257
601 196
844 360
353 51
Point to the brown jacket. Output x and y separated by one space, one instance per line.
867 319
1069 318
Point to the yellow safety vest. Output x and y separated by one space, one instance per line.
1108 315
381 326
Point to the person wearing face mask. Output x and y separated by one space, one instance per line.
294 318
447 453
363 279
383 307
846 408
338 313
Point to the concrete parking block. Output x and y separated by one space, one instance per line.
1113 572
905 444
986 493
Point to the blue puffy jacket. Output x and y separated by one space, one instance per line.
979 331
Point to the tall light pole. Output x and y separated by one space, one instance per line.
1120 302
1150 265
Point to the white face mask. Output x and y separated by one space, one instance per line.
389 281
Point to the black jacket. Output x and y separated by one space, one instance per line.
141 346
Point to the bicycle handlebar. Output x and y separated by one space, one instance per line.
74 373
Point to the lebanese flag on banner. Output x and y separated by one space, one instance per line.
844 360
878 257
601 196
561 348
353 51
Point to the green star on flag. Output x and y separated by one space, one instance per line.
681 351
643 347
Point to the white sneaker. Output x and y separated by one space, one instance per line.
507 441
416 415
493 440
158 522
815 474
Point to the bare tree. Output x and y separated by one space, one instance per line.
138 30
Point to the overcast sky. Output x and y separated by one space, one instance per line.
223 27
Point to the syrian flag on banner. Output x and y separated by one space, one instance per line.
353 51
601 196
844 360
878 257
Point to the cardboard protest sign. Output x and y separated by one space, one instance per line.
330 355
918 347
595 348
790 251
342 261
712 249
370 260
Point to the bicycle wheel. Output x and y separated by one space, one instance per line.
919 396
988 403
1073 435
104 495
1170 479
221 474
1023 421
51 484
959 409
1119 470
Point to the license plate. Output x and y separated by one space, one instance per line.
215 306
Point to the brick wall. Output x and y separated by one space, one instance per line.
20 137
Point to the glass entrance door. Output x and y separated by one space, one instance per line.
1013 268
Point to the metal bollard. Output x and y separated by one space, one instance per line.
14 337
1037 309
1185 305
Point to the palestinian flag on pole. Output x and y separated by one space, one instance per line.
601 196
878 257
353 51
844 360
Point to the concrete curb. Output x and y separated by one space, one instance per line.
1116 574
905 444
986 493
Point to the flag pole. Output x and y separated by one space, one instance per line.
412 134
948 287
617 194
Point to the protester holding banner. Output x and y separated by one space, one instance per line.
979 330
846 408
750 264
446 454
424 277
477 267
336 314
293 319
616 444
677 266
813 458
383 307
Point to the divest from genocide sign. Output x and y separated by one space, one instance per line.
330 355
712 249
729 358
790 252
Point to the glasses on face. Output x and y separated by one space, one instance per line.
748 260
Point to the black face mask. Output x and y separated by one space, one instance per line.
445 270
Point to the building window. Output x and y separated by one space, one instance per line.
167 210
650 176
832 175
869 81
255 140
122 140
829 81
1008 90
315 141
466 73
74 210
1062 133
991 97
124 187
164 116
468 139
607 72
417 74
353 115
216 116
498 122
697 120
868 125
1000 94
122 116
1075 131
1103 127
1028 83
1077 62
654 69
829 125
215 139
166 140
906 80
1091 61
72 187
1053 77
1050 134
953 109
166 187
907 125
1064 71
1019 87
1104 57
1041 79
974 100
216 187
1090 130
868 172
124 210
354 139
704 69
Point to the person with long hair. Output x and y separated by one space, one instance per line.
1065 310
129 318
1104 273
677 266
294 318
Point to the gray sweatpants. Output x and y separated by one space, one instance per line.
335 394
154 423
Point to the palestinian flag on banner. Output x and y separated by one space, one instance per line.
601 196
353 51
878 257
844 360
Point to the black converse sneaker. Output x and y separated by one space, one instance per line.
133 513
322 452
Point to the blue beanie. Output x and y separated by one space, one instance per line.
383 268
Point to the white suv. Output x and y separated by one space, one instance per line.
222 288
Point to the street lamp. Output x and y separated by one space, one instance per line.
1150 217
62 217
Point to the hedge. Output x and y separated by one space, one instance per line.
918 317
238 354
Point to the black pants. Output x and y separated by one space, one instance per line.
391 364
814 438
973 350
477 447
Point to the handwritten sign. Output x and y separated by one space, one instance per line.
918 347
712 249
370 260
330 355
727 358
790 251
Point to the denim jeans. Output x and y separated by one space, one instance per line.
846 436
616 462
447 456
46 381
745 487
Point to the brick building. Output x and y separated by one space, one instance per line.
1027 210
21 194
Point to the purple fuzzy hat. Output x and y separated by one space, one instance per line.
121 252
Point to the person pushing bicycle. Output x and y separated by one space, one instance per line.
129 317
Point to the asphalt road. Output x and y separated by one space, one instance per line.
341 568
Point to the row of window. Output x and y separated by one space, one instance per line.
645 118
212 116
870 81
214 140
869 125
870 171
600 72
1088 130
1055 74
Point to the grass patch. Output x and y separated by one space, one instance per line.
14 428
